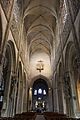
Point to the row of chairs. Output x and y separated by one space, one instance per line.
32 116
22 116
56 116
25 116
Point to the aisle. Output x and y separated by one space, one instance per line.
40 117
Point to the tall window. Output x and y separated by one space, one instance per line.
35 92
40 91
39 95
44 92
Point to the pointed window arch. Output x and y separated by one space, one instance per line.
35 92
39 91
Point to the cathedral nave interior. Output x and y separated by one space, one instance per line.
40 57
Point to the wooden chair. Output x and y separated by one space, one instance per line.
56 116
25 116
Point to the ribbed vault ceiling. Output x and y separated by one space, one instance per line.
40 23
40 19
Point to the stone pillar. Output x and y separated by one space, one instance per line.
50 100
18 109
1 78
73 96
15 88
24 100
74 75
55 93
12 95
62 102
30 99
63 98
68 94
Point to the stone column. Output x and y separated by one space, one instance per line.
15 87
18 97
62 102
24 100
73 96
12 95
50 100
1 79
68 94
30 99
55 94
63 98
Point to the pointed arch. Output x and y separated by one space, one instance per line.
42 77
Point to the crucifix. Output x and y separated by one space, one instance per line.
40 66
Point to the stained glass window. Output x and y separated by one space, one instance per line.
35 92
40 91
44 92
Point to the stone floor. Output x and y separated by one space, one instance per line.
40 117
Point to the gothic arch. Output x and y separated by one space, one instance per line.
71 57
67 56
13 53
42 77
53 12
6 75
7 71
12 78
31 100
9 61
71 76
40 83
